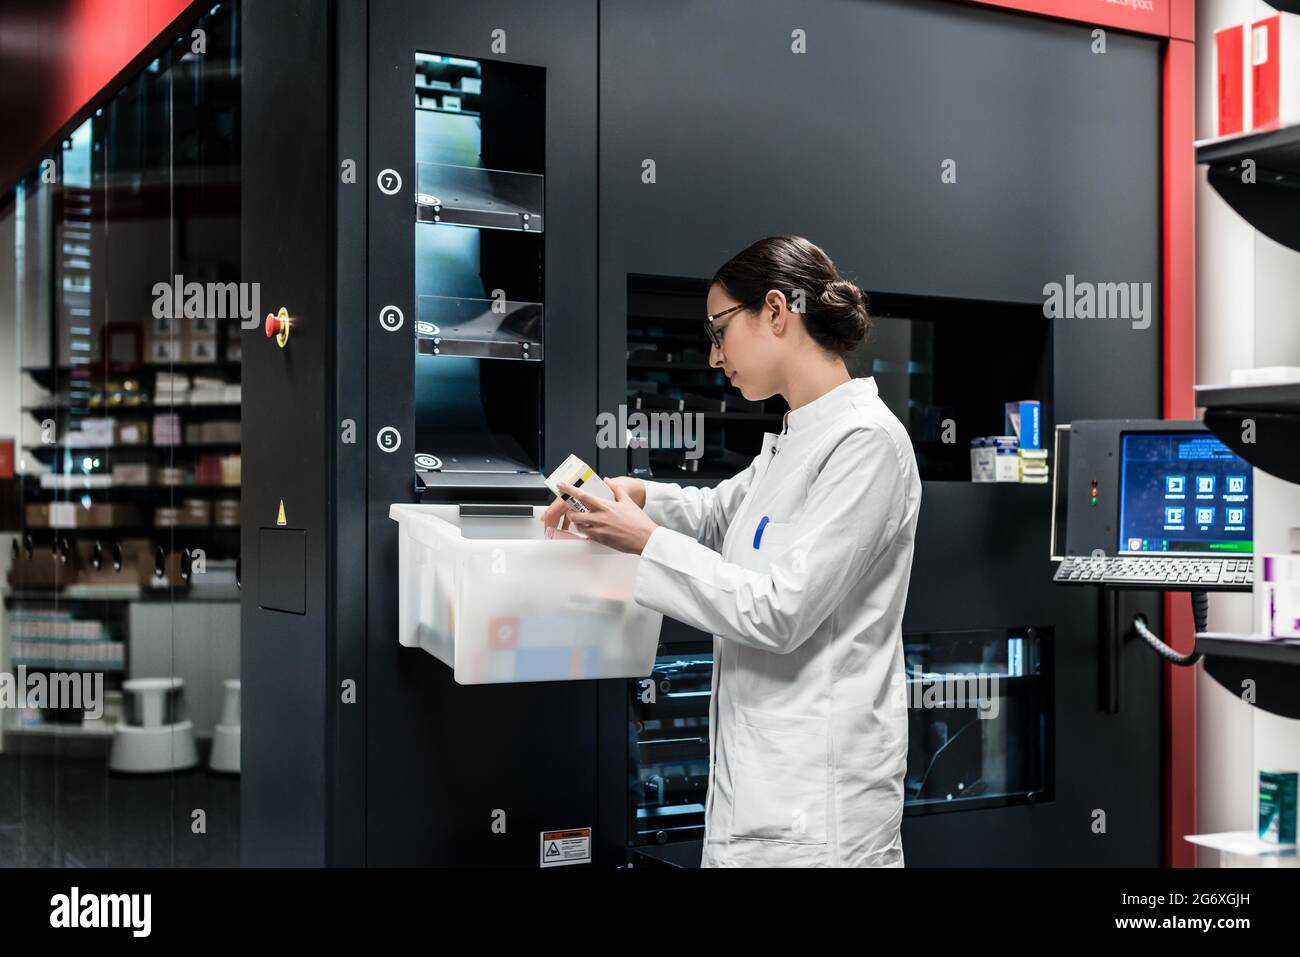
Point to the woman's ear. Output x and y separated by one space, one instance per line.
775 305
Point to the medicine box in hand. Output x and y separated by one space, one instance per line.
577 473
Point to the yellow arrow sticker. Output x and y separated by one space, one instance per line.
279 518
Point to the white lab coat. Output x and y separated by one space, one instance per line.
808 716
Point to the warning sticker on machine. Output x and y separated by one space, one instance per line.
572 846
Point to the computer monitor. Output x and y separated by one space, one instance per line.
1183 493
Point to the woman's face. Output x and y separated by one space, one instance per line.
750 350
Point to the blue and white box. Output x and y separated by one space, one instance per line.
1024 420
995 458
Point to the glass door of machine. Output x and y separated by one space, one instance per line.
480 194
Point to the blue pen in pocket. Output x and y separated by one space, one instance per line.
758 532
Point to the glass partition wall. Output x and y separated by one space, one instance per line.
120 312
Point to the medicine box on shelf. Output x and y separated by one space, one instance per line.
491 597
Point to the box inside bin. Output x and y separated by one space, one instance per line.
498 602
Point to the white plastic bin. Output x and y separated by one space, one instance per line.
498 602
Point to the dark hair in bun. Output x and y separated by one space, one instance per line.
834 309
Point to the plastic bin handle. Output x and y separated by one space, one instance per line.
498 511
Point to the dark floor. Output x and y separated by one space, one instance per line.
62 808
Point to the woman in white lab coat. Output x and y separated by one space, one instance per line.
798 566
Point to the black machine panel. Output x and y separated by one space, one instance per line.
455 774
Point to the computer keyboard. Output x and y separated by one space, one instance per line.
1161 573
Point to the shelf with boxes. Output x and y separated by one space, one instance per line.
188 512
145 460
447 84
166 430
199 341
47 634
1254 155
48 376
56 639
52 453
117 563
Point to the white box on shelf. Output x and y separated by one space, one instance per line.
496 601
63 515
1265 375
1277 595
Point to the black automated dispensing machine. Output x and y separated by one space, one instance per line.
442 348
460 225
483 236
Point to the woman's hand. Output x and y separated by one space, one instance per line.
620 524
557 510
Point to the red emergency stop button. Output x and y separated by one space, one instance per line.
277 324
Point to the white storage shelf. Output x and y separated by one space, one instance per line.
1243 844
496 601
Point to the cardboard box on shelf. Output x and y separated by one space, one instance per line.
91 433
132 473
109 516
172 475
1232 93
164 350
42 570
211 433
1275 71
226 513
131 432
164 327
65 515
994 458
1023 419
231 469
37 515
196 511
167 429
201 350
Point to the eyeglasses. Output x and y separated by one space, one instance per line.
714 333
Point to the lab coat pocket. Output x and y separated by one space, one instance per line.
771 542
781 777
